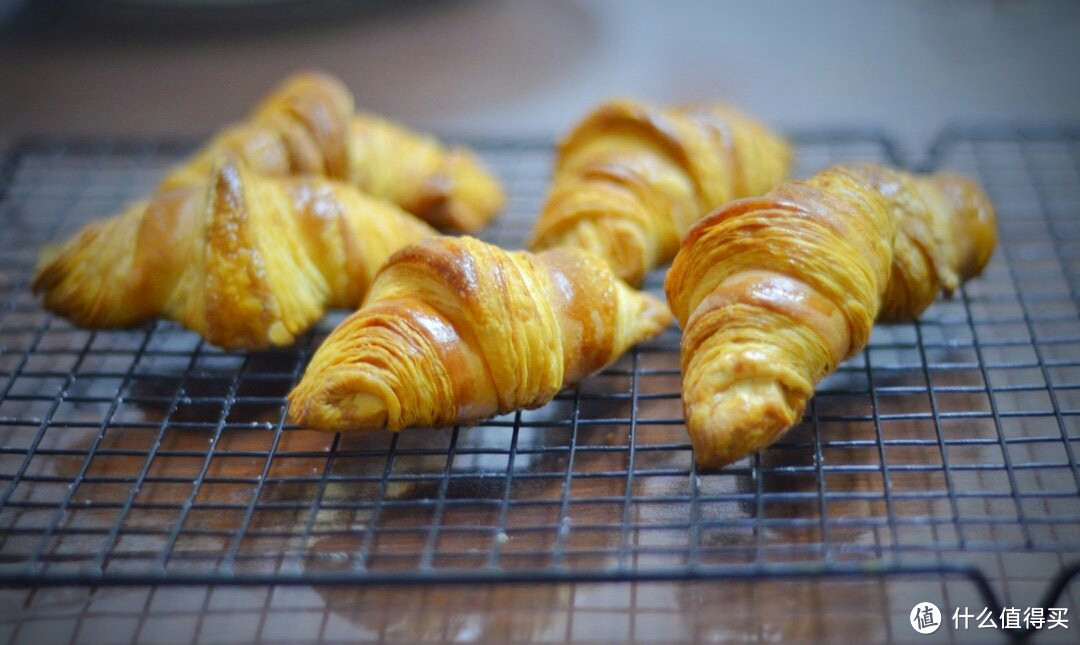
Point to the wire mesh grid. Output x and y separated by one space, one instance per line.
947 447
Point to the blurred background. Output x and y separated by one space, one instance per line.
491 68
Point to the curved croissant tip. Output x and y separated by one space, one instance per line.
975 221
739 420
323 403
45 271
656 312
473 194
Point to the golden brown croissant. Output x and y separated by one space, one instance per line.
245 260
308 126
773 292
455 330
632 178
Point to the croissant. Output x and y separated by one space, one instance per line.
631 178
245 260
308 126
773 292
455 330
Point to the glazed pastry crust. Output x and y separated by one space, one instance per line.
773 292
455 330
631 178
245 260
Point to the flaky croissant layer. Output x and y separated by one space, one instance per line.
773 292
631 178
454 330
246 261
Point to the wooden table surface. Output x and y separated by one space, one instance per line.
838 611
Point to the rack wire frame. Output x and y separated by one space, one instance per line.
146 456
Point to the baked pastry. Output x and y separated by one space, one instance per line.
247 261
308 126
631 178
773 292
454 330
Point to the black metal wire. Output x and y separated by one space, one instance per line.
146 456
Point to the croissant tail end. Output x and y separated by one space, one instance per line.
463 197
974 222
320 404
653 315
478 195
89 280
736 421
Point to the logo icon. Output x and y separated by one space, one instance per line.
925 618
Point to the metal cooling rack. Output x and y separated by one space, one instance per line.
948 448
